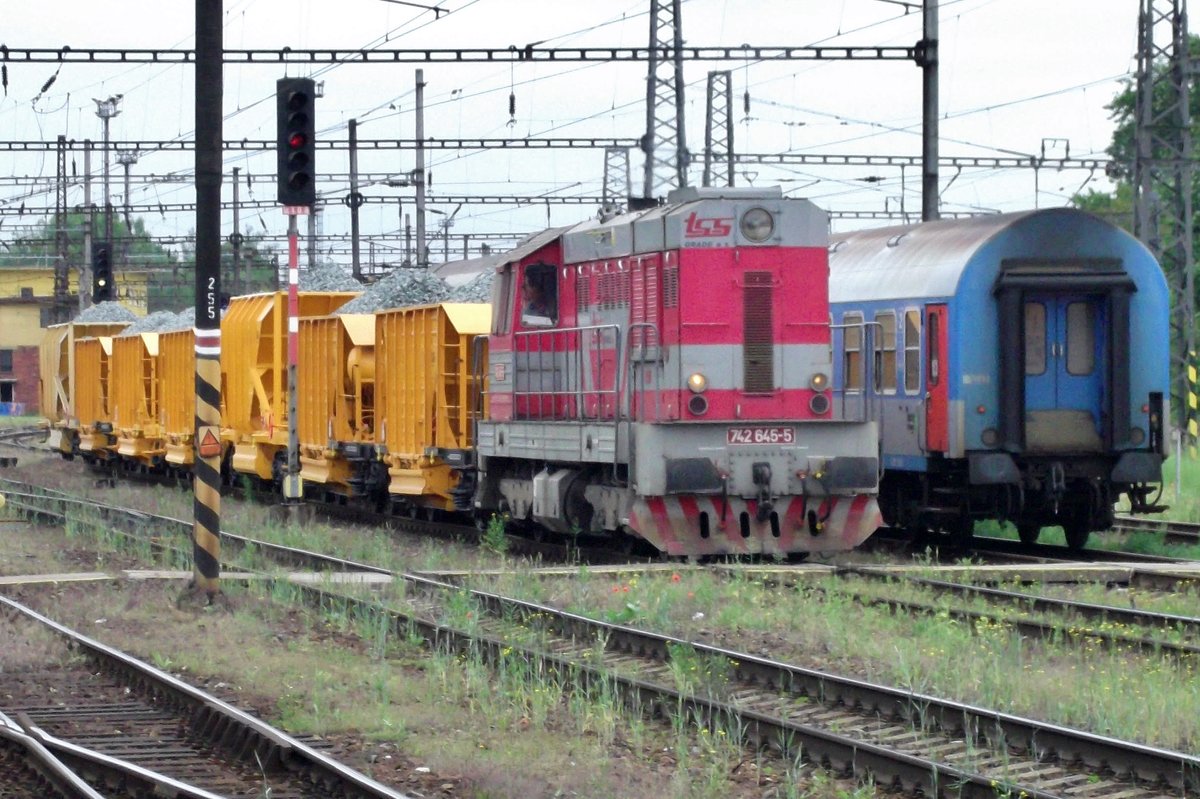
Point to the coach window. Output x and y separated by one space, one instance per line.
539 296
885 353
1081 338
912 351
852 365
1035 338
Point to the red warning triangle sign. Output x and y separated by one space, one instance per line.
210 445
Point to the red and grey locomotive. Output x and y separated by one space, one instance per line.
665 374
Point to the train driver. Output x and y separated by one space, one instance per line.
538 308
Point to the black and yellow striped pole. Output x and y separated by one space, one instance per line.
206 529
1193 403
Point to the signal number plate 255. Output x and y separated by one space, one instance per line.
755 434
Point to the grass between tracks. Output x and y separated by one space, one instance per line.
514 730
1114 692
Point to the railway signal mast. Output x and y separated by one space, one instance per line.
206 504
297 192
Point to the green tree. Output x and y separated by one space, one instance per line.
39 248
1118 204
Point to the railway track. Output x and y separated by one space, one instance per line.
1186 533
129 729
1114 627
915 742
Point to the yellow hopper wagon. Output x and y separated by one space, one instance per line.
56 356
427 397
336 405
254 371
93 357
134 393
177 395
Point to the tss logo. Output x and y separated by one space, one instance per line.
707 227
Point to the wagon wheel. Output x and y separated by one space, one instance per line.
962 529
1028 532
1076 534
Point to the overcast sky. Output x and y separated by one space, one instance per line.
1017 76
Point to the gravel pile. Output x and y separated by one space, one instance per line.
187 319
328 276
477 289
105 312
153 323
400 289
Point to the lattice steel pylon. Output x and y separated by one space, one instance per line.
1163 175
664 143
718 130
62 301
617 186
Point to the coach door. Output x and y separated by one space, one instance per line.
937 389
1064 370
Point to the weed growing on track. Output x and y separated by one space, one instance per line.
494 538
1113 692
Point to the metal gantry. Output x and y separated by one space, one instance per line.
718 130
1164 176
617 186
664 144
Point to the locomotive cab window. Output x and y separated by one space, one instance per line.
852 363
539 296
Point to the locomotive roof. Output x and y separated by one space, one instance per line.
927 260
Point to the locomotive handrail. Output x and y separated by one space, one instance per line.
862 392
642 357
574 387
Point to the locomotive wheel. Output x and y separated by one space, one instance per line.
1028 532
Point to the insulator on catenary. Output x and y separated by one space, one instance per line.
512 104
746 103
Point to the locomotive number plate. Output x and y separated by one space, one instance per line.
760 435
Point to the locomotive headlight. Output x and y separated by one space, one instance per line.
757 224
819 381
697 383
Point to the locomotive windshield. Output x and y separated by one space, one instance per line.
539 296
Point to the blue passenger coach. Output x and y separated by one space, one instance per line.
1017 365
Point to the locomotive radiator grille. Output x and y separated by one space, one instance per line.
758 361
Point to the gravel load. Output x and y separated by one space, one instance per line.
327 276
153 323
399 289
477 289
187 319
104 313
